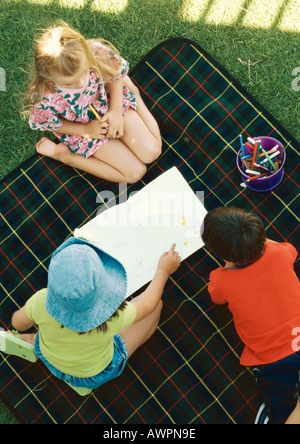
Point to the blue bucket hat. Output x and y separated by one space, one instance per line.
85 285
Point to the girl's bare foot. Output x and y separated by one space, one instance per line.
50 149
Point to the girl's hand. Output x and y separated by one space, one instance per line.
115 122
96 129
169 261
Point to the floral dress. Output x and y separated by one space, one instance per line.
73 104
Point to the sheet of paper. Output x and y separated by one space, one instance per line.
139 231
130 247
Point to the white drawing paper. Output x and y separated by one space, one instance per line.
137 232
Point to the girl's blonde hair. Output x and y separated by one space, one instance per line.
61 50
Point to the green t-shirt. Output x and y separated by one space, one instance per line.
77 355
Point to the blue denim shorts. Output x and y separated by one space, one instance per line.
113 370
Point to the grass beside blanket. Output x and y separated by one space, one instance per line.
259 47
6 417
257 41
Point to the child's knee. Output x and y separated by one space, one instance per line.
152 151
157 148
136 174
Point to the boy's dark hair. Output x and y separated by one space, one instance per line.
234 235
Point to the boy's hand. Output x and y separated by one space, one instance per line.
169 261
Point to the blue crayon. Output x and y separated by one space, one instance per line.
242 146
247 156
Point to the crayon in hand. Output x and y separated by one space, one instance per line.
94 112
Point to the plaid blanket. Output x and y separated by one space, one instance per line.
189 371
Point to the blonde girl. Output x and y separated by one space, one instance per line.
71 75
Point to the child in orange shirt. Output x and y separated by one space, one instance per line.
263 293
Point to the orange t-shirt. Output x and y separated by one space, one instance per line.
264 299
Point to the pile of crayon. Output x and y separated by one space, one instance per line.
259 163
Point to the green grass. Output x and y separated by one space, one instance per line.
6 417
233 31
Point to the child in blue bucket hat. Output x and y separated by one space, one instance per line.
86 329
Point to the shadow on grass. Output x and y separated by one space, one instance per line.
136 29
261 59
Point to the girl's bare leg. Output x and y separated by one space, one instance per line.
113 162
139 139
142 110
116 154
119 160
138 333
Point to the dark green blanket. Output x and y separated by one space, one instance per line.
189 372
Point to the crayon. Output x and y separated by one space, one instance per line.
242 146
260 166
252 142
258 148
244 163
252 172
269 152
94 112
256 177
271 156
278 163
246 157
270 160
255 154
